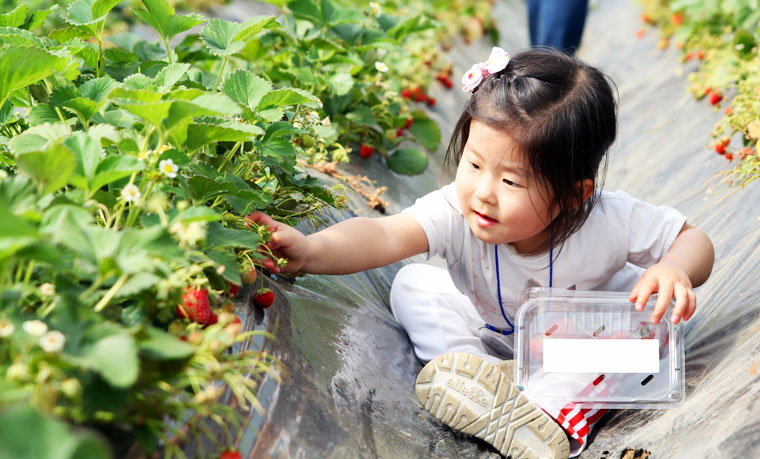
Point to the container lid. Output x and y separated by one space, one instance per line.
594 349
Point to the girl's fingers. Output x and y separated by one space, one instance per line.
692 305
645 290
682 303
664 294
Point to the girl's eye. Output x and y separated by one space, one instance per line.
474 166
509 182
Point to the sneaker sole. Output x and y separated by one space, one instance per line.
471 395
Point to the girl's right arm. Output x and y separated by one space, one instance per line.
350 246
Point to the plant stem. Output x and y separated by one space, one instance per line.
111 292
168 51
221 72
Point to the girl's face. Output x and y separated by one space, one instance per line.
497 194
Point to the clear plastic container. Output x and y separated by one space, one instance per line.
595 350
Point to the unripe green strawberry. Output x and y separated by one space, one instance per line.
249 276
390 134
307 141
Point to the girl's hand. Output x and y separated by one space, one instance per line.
668 281
287 242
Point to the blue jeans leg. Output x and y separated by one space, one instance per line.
557 23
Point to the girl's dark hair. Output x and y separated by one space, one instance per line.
561 113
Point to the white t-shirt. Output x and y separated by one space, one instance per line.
619 229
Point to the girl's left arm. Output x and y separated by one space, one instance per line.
686 265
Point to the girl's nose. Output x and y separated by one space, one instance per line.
484 190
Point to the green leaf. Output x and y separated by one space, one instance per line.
168 76
89 12
82 107
362 116
19 37
50 169
38 138
15 17
162 18
197 214
138 283
87 152
213 129
425 130
287 96
38 64
334 14
115 167
24 433
245 88
159 345
202 189
15 233
98 89
218 236
408 161
41 114
114 358
341 83
223 38
305 9
38 18
231 268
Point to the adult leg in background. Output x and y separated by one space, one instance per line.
557 23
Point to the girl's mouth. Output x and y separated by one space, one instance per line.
483 220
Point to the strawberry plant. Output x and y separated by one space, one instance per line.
126 166
722 38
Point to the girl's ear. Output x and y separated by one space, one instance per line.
586 189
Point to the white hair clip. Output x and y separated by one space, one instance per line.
497 61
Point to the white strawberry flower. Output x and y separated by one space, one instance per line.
381 67
131 193
48 289
6 328
168 167
52 341
377 10
34 327
497 61
473 77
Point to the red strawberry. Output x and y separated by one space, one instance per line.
366 151
699 55
264 297
420 97
195 306
729 156
406 93
715 98
399 132
409 122
677 19
720 148
431 101
233 290
687 57
231 454
205 316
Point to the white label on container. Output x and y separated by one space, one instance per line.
601 356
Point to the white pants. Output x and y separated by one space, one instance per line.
440 319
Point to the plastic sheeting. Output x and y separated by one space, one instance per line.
350 387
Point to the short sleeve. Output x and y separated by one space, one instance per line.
438 214
650 229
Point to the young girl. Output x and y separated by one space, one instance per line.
523 211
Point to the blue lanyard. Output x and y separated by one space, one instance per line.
498 286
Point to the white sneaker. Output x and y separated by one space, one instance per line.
471 395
